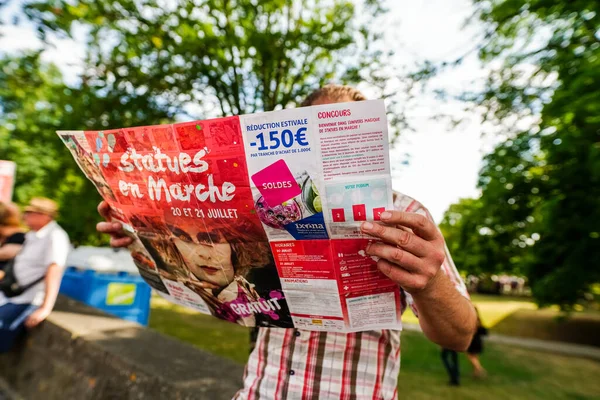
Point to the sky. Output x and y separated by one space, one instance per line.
444 162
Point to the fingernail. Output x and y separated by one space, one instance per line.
368 247
367 226
386 215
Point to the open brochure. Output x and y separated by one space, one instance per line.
255 219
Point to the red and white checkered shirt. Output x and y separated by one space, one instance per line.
299 364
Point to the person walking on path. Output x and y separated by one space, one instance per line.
476 348
450 361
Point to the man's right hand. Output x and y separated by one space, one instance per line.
114 229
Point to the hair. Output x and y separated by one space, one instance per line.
246 256
9 215
165 255
333 92
249 245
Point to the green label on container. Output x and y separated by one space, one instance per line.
120 294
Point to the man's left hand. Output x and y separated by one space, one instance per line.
412 249
36 318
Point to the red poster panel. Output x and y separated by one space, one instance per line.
7 180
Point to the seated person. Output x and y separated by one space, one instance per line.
35 273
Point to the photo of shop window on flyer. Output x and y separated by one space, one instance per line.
255 219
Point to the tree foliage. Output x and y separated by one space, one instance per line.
34 104
540 202
225 57
477 248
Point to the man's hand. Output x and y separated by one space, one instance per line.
36 317
411 257
114 229
411 254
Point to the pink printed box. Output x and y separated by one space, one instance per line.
276 183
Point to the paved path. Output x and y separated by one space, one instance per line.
567 349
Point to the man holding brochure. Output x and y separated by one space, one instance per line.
299 364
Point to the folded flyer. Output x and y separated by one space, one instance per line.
255 219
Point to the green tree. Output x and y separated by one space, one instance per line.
221 57
542 185
479 242
34 104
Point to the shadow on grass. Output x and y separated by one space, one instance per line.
580 328
514 373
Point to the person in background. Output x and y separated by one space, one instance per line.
11 234
476 348
294 363
450 360
37 269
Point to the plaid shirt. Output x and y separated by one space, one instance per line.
298 364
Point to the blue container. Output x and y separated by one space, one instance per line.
121 294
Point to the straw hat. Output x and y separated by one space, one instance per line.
42 205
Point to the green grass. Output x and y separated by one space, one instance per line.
514 316
513 373
581 327
492 309
203 331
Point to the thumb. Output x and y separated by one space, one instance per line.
104 210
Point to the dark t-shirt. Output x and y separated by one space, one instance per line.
476 346
15 238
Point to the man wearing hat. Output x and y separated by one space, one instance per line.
37 271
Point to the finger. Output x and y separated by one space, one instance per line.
120 241
402 277
420 224
112 228
397 256
398 237
104 210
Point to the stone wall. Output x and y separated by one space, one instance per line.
82 353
